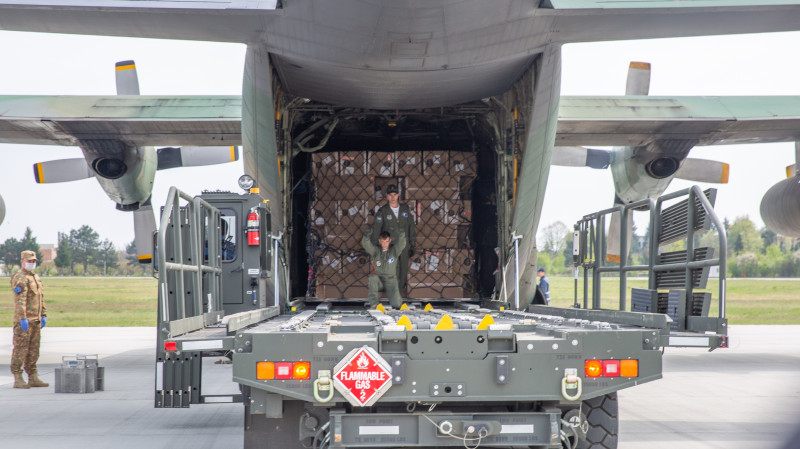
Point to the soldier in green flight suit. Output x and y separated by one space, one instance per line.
396 218
384 266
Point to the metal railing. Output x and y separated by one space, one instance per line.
592 227
198 213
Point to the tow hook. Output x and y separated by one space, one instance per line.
323 382
571 381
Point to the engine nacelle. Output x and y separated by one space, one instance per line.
780 207
125 173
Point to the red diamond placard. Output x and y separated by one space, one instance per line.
362 377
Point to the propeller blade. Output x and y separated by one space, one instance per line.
614 237
580 157
791 170
127 79
703 170
638 79
171 157
144 225
2 210
61 170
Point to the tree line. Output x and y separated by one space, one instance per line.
79 252
752 251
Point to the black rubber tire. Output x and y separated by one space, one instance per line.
602 414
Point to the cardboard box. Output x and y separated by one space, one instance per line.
437 235
356 265
324 164
458 212
416 268
435 187
327 188
353 163
430 211
433 293
461 261
381 164
351 187
356 292
435 163
342 238
351 212
437 261
463 163
322 213
327 269
408 163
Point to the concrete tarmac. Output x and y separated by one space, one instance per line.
746 396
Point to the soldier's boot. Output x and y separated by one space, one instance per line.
34 381
19 382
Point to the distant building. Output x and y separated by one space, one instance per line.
49 251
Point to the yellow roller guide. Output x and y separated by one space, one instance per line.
486 322
404 321
446 323
428 307
380 307
404 306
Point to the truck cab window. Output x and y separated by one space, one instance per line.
228 234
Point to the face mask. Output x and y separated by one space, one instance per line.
30 266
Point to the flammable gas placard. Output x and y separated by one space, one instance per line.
363 376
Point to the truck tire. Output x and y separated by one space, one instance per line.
603 419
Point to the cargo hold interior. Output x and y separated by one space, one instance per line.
445 169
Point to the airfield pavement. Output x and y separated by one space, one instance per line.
747 396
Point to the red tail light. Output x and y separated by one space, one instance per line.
611 368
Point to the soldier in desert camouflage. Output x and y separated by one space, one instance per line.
30 316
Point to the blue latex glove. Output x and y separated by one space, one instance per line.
23 323
44 321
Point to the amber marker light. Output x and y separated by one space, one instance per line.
301 370
593 368
629 368
265 370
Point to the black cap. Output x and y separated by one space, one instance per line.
540 270
392 189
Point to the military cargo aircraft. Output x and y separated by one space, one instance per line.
324 73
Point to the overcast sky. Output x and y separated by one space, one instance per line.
41 64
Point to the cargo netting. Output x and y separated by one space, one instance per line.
347 190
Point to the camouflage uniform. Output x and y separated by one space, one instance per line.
28 303
385 220
384 269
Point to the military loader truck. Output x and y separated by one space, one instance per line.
472 370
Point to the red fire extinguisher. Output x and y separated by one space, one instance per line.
253 237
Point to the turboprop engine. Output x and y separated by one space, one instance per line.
780 207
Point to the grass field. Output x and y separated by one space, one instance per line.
92 301
95 301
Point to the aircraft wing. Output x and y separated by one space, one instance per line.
216 120
604 20
207 20
246 20
131 119
641 120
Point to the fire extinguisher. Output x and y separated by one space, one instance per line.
253 237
